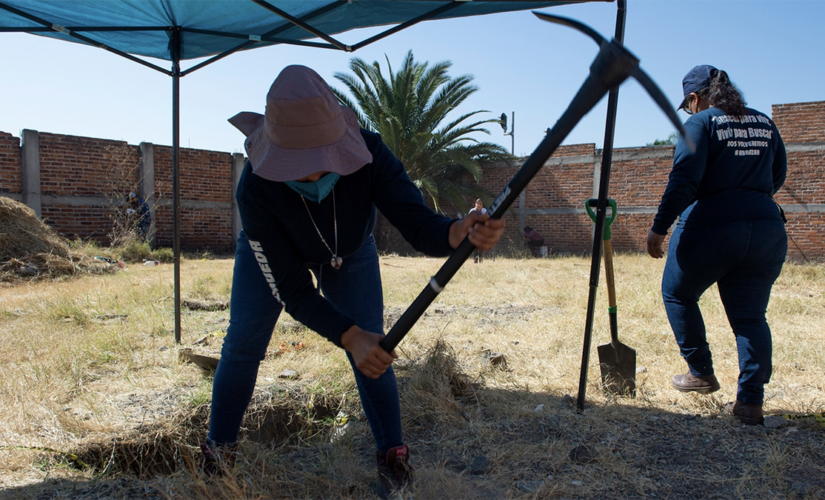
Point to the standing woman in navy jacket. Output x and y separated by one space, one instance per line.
307 199
730 232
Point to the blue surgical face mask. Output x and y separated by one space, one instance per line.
315 191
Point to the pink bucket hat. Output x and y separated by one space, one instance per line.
305 130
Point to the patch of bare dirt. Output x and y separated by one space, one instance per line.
483 314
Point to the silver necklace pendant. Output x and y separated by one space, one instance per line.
335 261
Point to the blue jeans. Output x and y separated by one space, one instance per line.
354 289
743 259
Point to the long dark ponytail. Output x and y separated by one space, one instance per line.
723 94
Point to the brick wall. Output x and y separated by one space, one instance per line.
568 233
11 180
587 148
84 182
79 176
200 228
87 222
802 126
81 166
805 236
629 232
638 176
800 122
803 191
565 185
205 176
805 183
637 181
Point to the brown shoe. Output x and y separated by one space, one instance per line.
747 414
218 459
394 471
690 383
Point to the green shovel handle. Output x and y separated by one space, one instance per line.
608 221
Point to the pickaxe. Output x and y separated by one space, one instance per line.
613 65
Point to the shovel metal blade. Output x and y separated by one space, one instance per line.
206 363
618 365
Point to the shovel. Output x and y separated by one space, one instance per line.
616 360
206 363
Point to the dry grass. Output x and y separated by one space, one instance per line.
88 367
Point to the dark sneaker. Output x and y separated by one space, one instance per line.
747 414
218 459
690 383
394 471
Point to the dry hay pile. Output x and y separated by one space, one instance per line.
436 389
29 249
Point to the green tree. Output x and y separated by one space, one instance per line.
409 109
671 140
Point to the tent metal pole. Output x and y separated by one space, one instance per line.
396 29
176 170
601 209
298 22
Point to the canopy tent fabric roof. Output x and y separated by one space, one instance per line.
218 27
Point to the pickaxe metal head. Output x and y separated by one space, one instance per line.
635 71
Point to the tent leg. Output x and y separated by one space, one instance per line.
601 208
176 171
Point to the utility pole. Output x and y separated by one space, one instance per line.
512 132
522 198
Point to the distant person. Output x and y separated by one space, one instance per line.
138 213
730 232
478 255
307 198
534 240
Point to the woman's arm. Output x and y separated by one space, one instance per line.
401 202
780 162
685 176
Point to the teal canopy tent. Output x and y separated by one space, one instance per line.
178 30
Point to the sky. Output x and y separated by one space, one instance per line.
772 49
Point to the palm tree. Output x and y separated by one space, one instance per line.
408 109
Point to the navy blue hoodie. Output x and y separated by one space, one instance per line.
282 234
739 163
